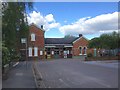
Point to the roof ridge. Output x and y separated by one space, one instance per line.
36 26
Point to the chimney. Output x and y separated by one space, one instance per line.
80 35
41 26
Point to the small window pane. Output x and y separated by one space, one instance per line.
35 51
32 37
41 52
30 51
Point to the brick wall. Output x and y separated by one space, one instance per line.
81 42
39 39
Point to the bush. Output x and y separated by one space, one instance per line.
5 56
89 55
14 56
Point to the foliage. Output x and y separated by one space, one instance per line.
14 23
5 55
69 36
107 41
14 26
94 43
89 55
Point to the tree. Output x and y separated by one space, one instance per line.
106 41
14 23
69 36
94 43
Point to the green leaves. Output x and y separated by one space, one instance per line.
14 26
107 41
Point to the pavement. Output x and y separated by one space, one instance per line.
20 76
65 73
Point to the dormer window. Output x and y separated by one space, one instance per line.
32 37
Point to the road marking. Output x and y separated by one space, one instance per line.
64 82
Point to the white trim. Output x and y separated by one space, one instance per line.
50 46
80 38
68 46
77 39
32 35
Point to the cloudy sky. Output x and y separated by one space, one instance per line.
88 18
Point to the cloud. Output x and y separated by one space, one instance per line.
49 18
104 23
48 21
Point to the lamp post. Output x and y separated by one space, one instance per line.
24 41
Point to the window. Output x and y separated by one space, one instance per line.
32 37
84 50
35 51
68 52
23 40
52 52
41 52
80 50
30 51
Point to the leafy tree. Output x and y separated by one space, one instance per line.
107 41
14 24
5 55
94 43
69 36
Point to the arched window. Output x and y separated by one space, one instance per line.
32 37
84 50
80 48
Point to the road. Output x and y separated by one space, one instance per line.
65 73
20 77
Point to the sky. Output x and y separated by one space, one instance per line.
62 18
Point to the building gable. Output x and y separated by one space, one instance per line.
38 36
79 45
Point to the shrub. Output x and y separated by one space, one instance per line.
5 56
89 55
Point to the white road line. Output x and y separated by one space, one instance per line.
64 82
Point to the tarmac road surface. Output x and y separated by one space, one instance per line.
65 73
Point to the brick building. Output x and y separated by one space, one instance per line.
40 47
